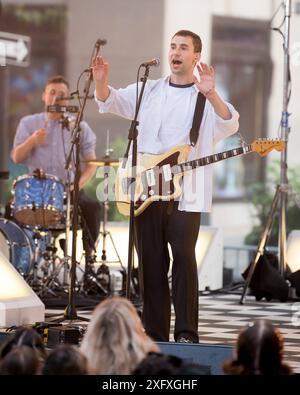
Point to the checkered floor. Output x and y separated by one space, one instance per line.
221 317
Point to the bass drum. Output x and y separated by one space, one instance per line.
16 246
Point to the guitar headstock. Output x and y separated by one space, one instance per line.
264 146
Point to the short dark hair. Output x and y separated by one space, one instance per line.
57 79
196 39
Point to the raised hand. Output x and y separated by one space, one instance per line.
100 70
100 75
206 85
39 136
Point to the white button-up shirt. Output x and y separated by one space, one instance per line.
165 119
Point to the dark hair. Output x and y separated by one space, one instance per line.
23 337
156 363
21 360
57 79
196 39
259 352
65 359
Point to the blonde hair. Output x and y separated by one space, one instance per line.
115 341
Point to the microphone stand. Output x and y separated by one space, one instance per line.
132 137
70 311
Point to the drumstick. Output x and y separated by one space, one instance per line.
46 121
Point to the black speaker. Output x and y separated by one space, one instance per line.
208 356
266 281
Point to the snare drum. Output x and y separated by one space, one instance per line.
38 201
15 246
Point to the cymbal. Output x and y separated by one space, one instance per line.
104 161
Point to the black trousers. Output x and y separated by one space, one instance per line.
90 220
154 229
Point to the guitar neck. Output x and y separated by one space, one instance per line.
208 160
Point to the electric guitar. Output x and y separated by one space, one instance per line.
158 176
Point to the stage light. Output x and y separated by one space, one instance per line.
293 250
19 305
209 255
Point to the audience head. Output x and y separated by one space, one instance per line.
156 363
65 359
115 341
259 351
163 364
21 360
24 337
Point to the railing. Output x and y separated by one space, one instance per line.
237 258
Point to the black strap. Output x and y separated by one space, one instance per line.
198 115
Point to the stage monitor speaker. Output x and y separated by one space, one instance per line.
266 280
206 355
19 305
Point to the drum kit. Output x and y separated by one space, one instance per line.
40 213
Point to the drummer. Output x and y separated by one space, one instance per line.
43 141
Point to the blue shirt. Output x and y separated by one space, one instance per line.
51 156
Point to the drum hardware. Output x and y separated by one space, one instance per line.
53 264
33 279
53 283
103 272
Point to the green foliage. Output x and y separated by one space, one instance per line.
36 15
262 194
96 187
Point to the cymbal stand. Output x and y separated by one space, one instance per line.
67 257
104 233
33 280
103 270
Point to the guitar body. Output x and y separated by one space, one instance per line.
158 176
155 180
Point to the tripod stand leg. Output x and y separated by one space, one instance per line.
116 251
262 243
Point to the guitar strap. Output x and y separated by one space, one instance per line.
194 133
198 115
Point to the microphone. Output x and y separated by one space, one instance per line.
100 42
153 62
95 52
58 108
59 98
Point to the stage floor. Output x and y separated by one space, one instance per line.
221 318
